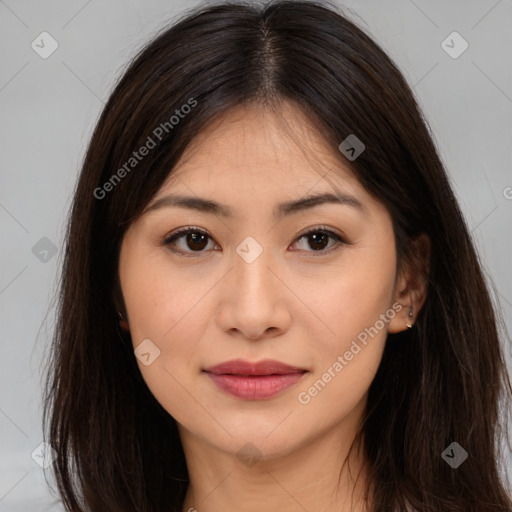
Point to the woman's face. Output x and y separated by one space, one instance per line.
248 285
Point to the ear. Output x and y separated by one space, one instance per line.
118 303
412 284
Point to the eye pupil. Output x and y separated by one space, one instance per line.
194 238
316 240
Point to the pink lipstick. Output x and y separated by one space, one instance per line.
254 381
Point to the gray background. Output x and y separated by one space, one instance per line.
49 108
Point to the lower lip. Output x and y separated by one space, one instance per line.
255 387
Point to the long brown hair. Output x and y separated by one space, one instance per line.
440 382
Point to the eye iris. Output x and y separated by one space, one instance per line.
316 240
194 237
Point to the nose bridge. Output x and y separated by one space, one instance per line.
252 272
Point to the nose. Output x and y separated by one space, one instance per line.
253 300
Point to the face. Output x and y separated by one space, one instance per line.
249 283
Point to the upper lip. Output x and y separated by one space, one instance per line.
243 367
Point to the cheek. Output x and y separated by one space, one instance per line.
169 316
347 334
345 363
350 298
159 298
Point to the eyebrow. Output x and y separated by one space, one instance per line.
208 206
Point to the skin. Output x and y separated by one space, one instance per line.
293 304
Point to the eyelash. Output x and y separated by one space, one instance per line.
170 239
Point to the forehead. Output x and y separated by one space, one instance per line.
252 149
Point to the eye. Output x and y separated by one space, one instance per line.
318 239
197 240
194 238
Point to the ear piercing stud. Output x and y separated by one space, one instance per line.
410 323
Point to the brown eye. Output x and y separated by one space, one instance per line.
318 240
194 240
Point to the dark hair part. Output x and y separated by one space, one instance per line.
439 382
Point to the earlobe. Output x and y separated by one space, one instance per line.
413 284
403 320
123 323
410 320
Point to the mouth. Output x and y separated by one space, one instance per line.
254 381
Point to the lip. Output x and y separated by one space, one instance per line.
243 367
254 381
